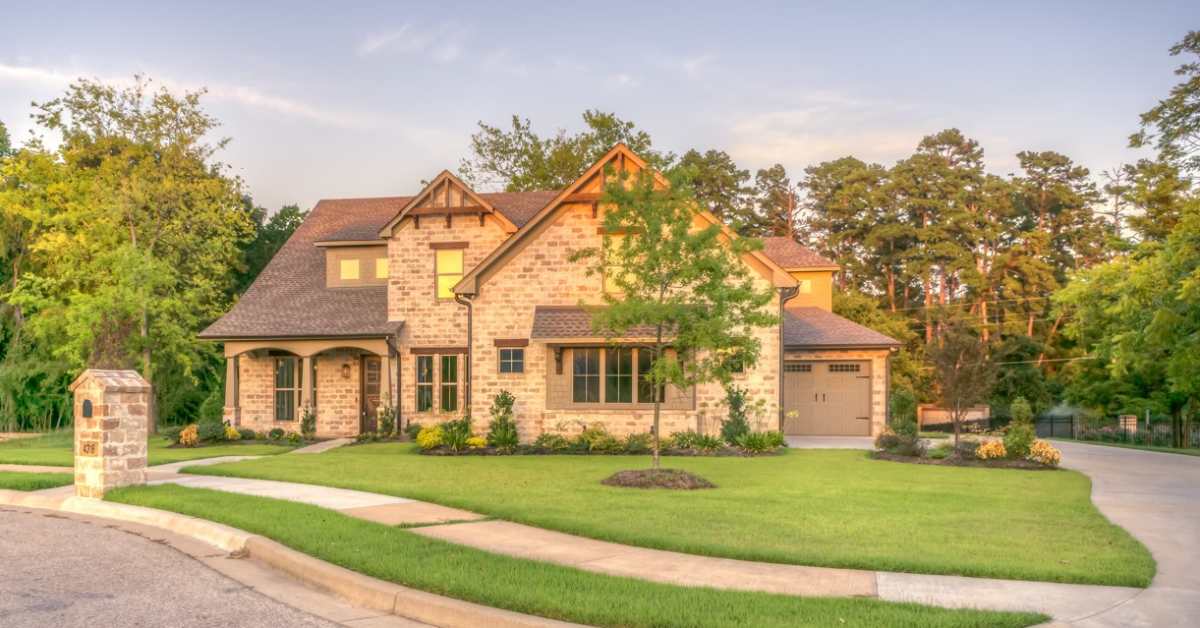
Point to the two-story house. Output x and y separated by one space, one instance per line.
438 301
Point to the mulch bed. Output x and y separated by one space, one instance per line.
675 479
955 461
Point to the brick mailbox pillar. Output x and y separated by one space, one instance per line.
111 430
1129 423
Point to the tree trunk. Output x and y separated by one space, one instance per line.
148 373
928 286
891 288
983 320
957 424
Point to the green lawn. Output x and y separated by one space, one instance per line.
808 507
19 481
55 450
1166 450
526 586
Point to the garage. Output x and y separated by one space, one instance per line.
827 398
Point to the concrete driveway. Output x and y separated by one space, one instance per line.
1156 497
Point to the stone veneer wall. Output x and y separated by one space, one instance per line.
111 444
337 397
542 274
879 376
429 321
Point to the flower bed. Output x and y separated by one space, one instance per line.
1021 452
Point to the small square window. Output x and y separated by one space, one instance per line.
804 286
512 360
348 269
381 268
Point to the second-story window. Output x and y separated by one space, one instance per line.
381 268
448 271
348 270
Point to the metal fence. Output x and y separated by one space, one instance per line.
1149 432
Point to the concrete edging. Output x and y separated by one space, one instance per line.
358 589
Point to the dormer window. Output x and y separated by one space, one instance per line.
348 270
355 264
381 268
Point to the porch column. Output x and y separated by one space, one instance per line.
232 405
388 378
306 383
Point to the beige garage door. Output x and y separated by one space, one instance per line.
827 398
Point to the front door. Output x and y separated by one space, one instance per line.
372 378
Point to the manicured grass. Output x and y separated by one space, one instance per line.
835 508
55 450
527 586
1165 450
19 481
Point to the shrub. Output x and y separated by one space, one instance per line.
685 440
308 423
991 450
502 430
1021 411
595 438
171 433
776 438
1019 438
387 420
886 440
966 449
211 431
455 433
476 442
429 437
941 451
907 446
294 438
903 412
736 425
605 443
189 436
366 437
247 433
213 407
639 443
1045 453
551 440
232 433
276 433
413 429
756 442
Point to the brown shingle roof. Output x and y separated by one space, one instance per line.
289 298
790 254
557 321
815 327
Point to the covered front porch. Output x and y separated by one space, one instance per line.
269 383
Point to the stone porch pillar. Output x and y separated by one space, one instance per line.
306 383
232 411
111 430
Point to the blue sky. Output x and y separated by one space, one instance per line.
325 101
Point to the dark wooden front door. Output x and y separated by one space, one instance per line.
372 379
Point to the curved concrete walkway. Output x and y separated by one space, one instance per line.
1065 602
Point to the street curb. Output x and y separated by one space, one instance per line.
358 589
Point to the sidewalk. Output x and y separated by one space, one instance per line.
1064 602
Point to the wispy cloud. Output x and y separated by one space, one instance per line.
442 43
691 67
242 95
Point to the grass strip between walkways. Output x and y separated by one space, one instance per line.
55 449
526 586
21 481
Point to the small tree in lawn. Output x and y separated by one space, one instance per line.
963 370
685 286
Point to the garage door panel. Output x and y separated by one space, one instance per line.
827 398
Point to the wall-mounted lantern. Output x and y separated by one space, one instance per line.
345 371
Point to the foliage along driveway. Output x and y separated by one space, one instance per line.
55 450
810 507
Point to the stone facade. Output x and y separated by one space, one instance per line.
542 274
111 430
337 396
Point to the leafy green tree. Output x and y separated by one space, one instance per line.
1173 125
132 248
721 187
777 204
963 372
689 285
518 159
5 142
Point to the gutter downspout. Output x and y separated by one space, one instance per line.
785 295
465 301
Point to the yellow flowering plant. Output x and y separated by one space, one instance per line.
476 442
190 436
992 449
1045 453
